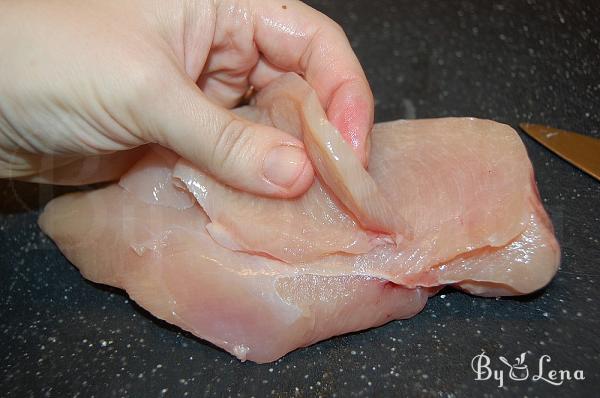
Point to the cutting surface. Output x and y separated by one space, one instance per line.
511 61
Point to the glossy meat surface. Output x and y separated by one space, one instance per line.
260 277
291 230
254 307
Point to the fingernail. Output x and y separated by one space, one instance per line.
284 164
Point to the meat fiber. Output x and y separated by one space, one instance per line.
254 307
446 202
311 226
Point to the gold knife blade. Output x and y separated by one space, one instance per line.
580 150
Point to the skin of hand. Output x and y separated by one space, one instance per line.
84 85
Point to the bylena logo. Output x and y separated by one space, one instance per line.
483 368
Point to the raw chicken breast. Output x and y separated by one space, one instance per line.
254 307
528 262
461 183
524 265
463 187
152 180
291 230
470 185
466 187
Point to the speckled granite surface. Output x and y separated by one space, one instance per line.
511 61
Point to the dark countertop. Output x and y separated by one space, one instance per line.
511 61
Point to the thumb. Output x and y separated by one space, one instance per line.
245 155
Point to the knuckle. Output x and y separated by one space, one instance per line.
137 95
338 28
140 79
142 84
331 26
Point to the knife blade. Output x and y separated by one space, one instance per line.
580 150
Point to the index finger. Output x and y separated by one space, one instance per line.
294 37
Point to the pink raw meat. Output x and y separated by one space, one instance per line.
446 202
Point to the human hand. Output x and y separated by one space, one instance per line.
82 84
